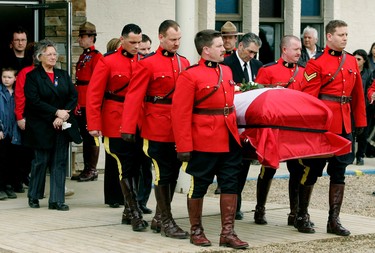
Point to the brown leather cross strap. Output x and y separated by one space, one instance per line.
214 111
339 99
158 100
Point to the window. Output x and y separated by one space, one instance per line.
228 10
270 29
311 15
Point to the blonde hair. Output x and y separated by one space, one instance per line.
113 44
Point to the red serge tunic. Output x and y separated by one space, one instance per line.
279 74
205 133
348 82
155 75
111 73
84 69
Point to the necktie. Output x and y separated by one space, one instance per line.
246 74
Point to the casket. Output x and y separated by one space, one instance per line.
282 124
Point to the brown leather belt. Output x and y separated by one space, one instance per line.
79 82
114 97
342 99
158 100
214 111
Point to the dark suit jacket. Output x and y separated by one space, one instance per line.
42 101
237 70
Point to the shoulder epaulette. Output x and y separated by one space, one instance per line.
148 55
348 52
317 55
192 66
110 52
95 51
270 64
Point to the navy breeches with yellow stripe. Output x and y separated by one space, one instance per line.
336 167
164 158
203 167
128 156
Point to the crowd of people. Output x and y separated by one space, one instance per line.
153 110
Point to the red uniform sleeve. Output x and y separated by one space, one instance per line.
134 98
95 95
371 91
182 109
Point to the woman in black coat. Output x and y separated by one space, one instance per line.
50 126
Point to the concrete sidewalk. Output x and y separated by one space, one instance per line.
91 226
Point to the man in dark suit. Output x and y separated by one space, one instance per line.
244 68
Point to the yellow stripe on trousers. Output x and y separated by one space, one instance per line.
156 166
305 173
107 149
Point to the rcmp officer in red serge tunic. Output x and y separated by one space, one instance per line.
288 74
334 77
105 97
206 134
84 69
154 82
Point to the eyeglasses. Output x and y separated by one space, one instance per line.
20 40
50 54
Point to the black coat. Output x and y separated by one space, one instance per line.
43 99
237 70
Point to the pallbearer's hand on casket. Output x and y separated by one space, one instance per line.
128 137
359 130
184 156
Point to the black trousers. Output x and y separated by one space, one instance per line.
88 140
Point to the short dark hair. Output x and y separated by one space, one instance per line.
130 28
333 24
145 38
166 24
248 38
205 38
17 29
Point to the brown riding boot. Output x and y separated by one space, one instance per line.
90 159
136 219
336 194
156 220
126 214
169 228
263 187
228 238
302 222
197 236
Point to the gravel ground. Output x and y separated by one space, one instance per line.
358 200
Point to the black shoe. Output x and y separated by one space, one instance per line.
19 188
34 203
239 215
145 209
360 161
3 195
58 206
114 205
10 192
